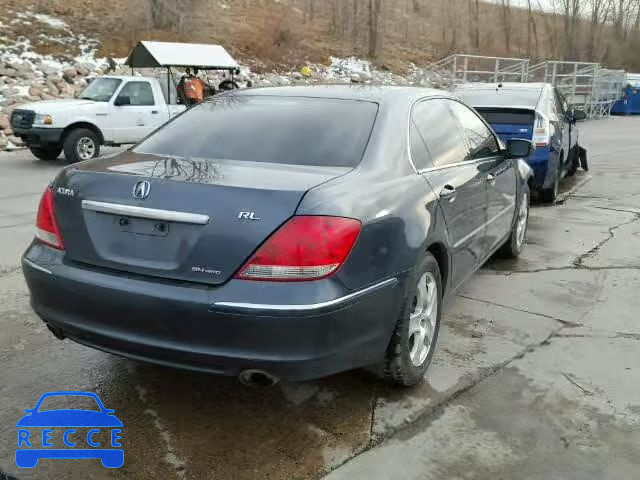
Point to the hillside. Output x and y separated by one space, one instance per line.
49 47
290 33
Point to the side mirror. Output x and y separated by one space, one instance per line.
519 148
122 100
578 115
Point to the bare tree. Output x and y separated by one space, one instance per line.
506 23
474 17
599 15
374 27
310 10
532 31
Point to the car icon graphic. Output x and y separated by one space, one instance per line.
29 452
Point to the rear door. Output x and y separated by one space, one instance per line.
459 182
560 110
500 175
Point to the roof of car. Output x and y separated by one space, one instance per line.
371 93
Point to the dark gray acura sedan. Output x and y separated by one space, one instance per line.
280 233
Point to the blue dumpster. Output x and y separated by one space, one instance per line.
629 104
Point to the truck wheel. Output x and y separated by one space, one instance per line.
46 153
414 340
81 144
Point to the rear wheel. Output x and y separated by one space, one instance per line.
46 153
514 246
550 194
81 144
414 340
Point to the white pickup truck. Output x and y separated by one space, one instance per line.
112 110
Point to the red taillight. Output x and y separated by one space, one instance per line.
304 248
47 230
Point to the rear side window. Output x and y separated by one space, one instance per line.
440 132
419 153
272 129
481 140
496 116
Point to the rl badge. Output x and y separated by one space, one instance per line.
85 433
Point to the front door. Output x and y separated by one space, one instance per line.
460 183
135 112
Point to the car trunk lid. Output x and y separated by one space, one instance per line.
200 220
510 123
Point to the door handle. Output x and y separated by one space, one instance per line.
491 178
154 112
448 193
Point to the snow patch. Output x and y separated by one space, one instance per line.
22 90
53 22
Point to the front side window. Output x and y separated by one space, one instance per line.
270 129
101 89
139 93
440 132
481 140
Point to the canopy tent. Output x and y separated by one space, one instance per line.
171 54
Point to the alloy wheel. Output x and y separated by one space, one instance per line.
423 318
521 222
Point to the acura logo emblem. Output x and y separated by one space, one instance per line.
141 190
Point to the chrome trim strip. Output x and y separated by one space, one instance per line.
143 212
311 306
458 164
484 225
35 266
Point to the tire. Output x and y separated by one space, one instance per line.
81 144
514 246
46 153
582 159
549 195
399 366
575 163
226 85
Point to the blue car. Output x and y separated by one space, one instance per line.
31 437
536 112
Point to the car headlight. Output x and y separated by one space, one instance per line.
43 119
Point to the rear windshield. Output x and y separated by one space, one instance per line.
273 129
507 117
501 98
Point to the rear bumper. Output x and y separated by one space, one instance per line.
37 137
319 328
539 167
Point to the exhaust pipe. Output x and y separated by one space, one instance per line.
257 378
56 332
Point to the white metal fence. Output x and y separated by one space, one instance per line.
585 85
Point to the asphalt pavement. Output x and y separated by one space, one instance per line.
536 376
